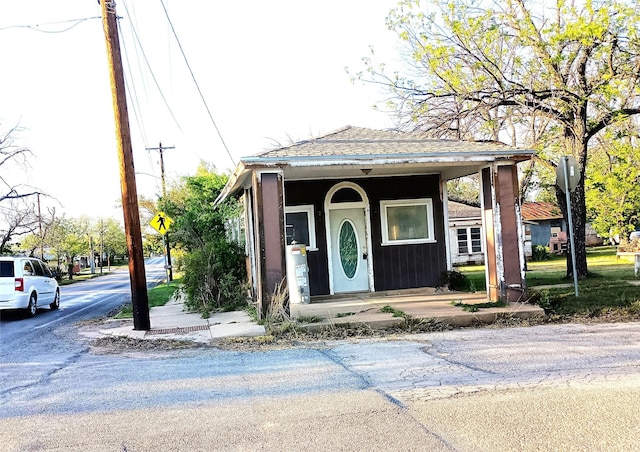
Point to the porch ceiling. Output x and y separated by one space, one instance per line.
372 168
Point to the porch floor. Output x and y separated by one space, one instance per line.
364 308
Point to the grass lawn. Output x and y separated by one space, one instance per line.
605 291
158 296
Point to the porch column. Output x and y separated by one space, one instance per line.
502 223
268 197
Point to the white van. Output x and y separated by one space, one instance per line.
27 283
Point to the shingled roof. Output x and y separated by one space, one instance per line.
538 211
355 151
357 141
460 210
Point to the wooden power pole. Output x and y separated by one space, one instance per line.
139 296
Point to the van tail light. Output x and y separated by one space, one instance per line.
19 285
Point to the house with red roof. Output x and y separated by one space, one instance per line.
544 225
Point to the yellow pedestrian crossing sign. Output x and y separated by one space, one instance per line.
161 223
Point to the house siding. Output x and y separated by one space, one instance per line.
394 266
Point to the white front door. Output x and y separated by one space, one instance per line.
349 250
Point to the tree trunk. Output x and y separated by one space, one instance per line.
579 218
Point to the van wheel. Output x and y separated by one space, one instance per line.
32 309
56 301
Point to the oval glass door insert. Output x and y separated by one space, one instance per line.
348 246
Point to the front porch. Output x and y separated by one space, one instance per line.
427 303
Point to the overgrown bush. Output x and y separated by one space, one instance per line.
214 278
454 280
632 246
539 253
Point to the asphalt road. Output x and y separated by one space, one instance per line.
551 387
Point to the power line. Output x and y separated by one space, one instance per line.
76 22
131 89
196 82
153 76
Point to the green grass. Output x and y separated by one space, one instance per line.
344 314
393 311
605 290
475 307
158 296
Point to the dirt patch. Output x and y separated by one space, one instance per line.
115 344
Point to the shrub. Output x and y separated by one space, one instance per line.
454 280
539 253
214 278
632 246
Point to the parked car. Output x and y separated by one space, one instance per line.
27 283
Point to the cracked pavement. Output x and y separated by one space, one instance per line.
547 387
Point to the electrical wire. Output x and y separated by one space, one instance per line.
133 94
153 76
196 83
76 22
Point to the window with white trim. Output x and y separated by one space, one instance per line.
469 238
300 225
407 221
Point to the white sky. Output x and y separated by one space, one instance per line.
268 71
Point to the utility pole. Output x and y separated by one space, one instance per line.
41 236
101 243
168 266
139 296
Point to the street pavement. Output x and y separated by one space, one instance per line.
569 387
543 388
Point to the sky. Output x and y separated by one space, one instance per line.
269 73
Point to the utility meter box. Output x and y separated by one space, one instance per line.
298 274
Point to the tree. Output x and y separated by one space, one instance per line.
19 216
71 238
553 79
464 189
613 185
214 268
111 234
190 204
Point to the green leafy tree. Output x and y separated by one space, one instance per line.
110 233
613 186
549 78
71 239
465 189
213 267
190 205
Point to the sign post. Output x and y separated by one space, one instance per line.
161 223
568 173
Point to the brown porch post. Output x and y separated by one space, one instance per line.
268 191
503 232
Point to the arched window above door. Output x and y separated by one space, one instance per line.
346 194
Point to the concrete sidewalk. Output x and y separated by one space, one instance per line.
365 309
172 321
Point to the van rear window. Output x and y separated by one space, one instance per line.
6 269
